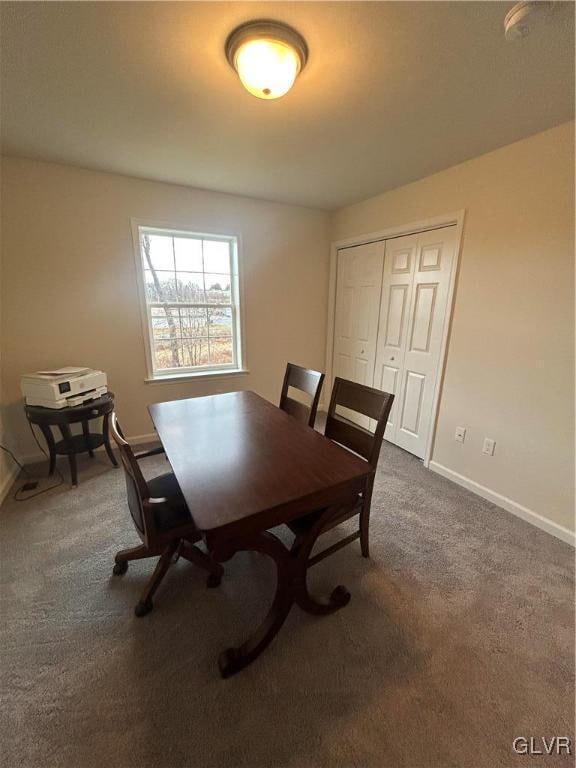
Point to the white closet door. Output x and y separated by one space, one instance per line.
414 308
358 289
394 319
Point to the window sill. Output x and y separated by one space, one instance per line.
203 375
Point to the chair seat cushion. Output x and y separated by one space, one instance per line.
304 524
175 512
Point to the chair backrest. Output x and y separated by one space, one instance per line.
366 401
136 486
308 381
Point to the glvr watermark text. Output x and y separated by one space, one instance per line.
540 745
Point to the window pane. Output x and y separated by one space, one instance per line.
151 292
167 354
220 321
217 289
162 312
217 256
195 352
160 286
191 287
160 250
221 351
188 254
194 322
165 323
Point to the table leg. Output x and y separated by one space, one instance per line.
291 570
86 433
106 434
189 551
338 599
67 436
233 660
49 437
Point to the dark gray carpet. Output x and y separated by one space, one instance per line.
458 638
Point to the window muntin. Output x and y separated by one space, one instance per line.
191 294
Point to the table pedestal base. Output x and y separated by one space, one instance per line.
291 587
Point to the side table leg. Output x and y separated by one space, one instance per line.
106 435
67 435
49 437
86 433
73 469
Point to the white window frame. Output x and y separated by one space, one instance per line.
235 368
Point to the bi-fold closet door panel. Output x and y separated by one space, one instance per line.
394 320
413 311
358 289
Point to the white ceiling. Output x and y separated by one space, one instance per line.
392 92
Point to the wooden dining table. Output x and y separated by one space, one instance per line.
244 467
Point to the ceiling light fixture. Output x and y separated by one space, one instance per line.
267 55
522 16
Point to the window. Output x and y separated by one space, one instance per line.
191 293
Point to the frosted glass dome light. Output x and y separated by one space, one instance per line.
268 57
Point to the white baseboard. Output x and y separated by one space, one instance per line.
565 534
7 481
150 437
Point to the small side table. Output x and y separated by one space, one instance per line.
70 444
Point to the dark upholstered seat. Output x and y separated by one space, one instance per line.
176 512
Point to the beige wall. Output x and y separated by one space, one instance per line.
7 466
70 294
510 365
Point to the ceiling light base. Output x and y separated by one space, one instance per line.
265 28
519 19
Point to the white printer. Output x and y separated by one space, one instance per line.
63 387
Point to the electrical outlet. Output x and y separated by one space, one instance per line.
489 446
460 434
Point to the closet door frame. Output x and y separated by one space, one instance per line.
437 222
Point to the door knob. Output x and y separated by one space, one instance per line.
391 358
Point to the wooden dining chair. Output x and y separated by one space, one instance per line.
376 405
307 381
162 521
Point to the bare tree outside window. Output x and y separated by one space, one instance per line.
161 298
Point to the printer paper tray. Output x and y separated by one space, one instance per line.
67 402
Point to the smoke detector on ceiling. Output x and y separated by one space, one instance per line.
523 16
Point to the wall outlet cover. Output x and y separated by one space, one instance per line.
489 446
460 434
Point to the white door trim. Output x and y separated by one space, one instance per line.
437 222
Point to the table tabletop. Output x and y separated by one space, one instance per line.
237 457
